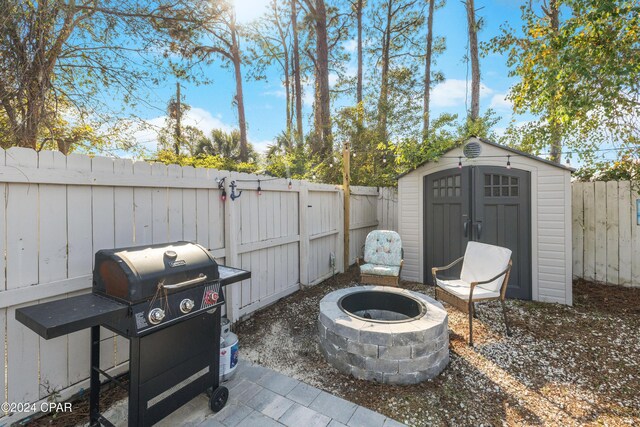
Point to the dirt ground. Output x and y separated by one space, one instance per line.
562 365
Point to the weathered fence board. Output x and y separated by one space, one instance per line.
59 210
606 237
624 230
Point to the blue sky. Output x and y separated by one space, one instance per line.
211 105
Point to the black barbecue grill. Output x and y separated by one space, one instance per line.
165 299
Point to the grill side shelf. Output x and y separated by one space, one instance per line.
64 316
229 275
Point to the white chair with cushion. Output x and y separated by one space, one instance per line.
484 277
382 258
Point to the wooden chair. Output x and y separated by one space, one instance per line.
382 261
484 277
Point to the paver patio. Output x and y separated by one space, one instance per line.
262 397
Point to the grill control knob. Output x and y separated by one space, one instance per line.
155 316
186 305
211 297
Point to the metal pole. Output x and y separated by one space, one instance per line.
94 392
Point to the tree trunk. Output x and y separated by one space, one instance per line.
237 60
322 64
359 8
556 140
474 113
287 89
427 73
384 81
297 87
316 143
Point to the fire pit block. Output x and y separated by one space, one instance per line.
384 334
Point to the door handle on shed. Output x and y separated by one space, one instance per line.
201 278
478 229
465 226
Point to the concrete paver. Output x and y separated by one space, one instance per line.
334 407
261 397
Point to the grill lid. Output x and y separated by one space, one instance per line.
134 274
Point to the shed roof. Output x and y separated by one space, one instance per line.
504 147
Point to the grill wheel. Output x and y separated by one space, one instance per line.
218 398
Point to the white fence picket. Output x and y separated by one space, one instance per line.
159 207
577 232
589 232
3 348
52 266
612 228
601 231
103 216
80 259
22 270
635 240
624 232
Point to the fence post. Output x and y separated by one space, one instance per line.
340 265
231 250
303 215
346 191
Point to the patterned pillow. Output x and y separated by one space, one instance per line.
383 247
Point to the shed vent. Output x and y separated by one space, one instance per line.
472 149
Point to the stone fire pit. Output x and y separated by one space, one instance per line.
384 334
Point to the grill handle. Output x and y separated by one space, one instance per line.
201 278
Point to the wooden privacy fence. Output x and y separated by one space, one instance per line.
59 210
606 236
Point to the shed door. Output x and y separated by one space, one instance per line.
447 218
494 207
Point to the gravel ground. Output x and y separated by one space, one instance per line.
562 365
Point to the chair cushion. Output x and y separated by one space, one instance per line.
383 247
460 289
380 270
483 262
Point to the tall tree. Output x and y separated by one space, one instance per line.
222 39
322 115
427 71
58 53
271 36
297 86
359 7
553 15
472 25
397 23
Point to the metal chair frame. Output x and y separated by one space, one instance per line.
469 306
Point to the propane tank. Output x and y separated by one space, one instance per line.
228 351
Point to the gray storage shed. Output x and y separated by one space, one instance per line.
495 194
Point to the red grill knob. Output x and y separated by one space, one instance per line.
211 297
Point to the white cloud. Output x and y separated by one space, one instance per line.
307 94
261 146
278 93
350 45
333 79
500 102
197 117
249 10
452 92
500 131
